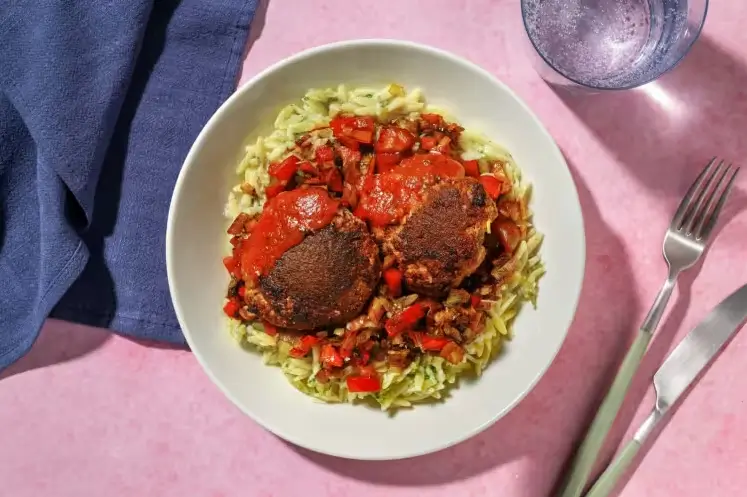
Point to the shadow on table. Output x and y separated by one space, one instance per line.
255 30
540 429
58 342
666 131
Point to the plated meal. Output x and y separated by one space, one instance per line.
378 250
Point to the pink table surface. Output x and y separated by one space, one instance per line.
88 413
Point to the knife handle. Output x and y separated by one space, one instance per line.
589 450
606 483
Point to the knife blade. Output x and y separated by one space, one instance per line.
698 348
681 368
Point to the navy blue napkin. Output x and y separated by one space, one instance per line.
99 103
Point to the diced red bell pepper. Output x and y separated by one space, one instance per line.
230 263
361 384
405 319
330 357
270 329
353 130
324 153
343 125
274 190
386 162
242 292
393 279
394 139
308 168
285 170
427 342
432 119
231 308
472 168
334 180
492 185
475 301
304 346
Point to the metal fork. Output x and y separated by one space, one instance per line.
684 243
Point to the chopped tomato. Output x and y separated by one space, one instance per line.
433 343
394 139
348 343
334 180
362 136
308 168
508 233
393 279
360 384
285 170
231 308
386 162
405 319
492 185
330 357
304 346
274 190
230 263
475 301
235 240
324 153
270 329
452 353
349 142
242 292
472 168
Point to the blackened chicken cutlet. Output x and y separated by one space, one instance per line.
323 281
441 241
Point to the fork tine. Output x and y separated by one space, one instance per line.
713 197
687 199
689 222
713 218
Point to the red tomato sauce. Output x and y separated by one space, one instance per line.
388 197
285 221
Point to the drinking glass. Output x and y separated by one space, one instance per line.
610 44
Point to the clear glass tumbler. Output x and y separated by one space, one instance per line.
610 44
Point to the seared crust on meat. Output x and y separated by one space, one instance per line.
441 241
324 281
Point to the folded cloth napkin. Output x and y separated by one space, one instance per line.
100 101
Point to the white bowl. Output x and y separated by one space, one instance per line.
195 239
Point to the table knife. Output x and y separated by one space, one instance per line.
679 371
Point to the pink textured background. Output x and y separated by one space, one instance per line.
87 413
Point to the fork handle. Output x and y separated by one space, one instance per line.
608 481
590 447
